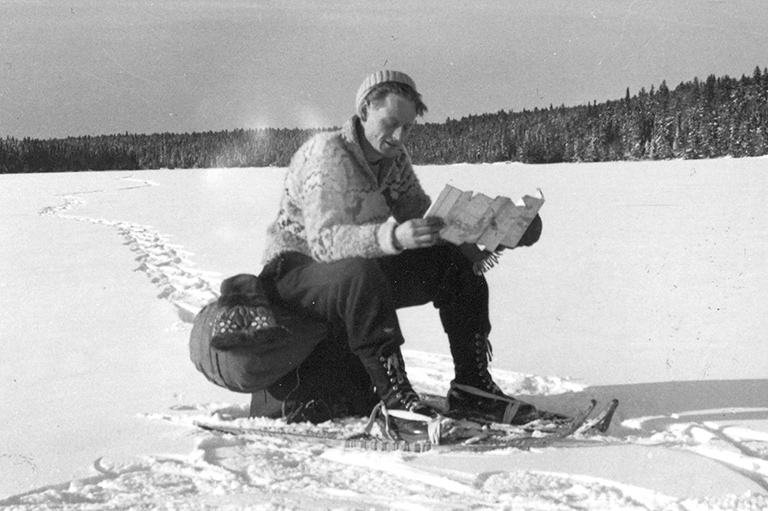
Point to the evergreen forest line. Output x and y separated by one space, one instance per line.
713 118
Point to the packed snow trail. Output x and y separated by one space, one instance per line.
167 265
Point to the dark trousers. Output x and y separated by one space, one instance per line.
360 296
358 299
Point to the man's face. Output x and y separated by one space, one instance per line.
388 124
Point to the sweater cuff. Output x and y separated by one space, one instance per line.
386 237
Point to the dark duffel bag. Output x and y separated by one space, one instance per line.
243 343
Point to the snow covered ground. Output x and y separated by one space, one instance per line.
648 284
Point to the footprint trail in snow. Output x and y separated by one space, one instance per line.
166 264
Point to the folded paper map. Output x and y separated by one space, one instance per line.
490 223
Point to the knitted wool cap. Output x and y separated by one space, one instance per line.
385 75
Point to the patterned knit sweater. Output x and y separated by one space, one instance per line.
335 207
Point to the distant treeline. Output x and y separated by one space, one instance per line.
698 119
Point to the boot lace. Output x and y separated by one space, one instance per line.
483 357
400 384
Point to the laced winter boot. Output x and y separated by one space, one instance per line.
473 393
392 386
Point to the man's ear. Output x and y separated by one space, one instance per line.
364 111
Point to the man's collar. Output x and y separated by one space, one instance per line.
353 132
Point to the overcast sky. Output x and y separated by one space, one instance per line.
111 66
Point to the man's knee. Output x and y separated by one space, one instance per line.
459 283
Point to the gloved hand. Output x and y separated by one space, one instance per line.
532 234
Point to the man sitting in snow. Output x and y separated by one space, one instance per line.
350 246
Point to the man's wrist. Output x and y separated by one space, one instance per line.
395 242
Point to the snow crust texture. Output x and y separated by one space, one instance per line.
226 472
